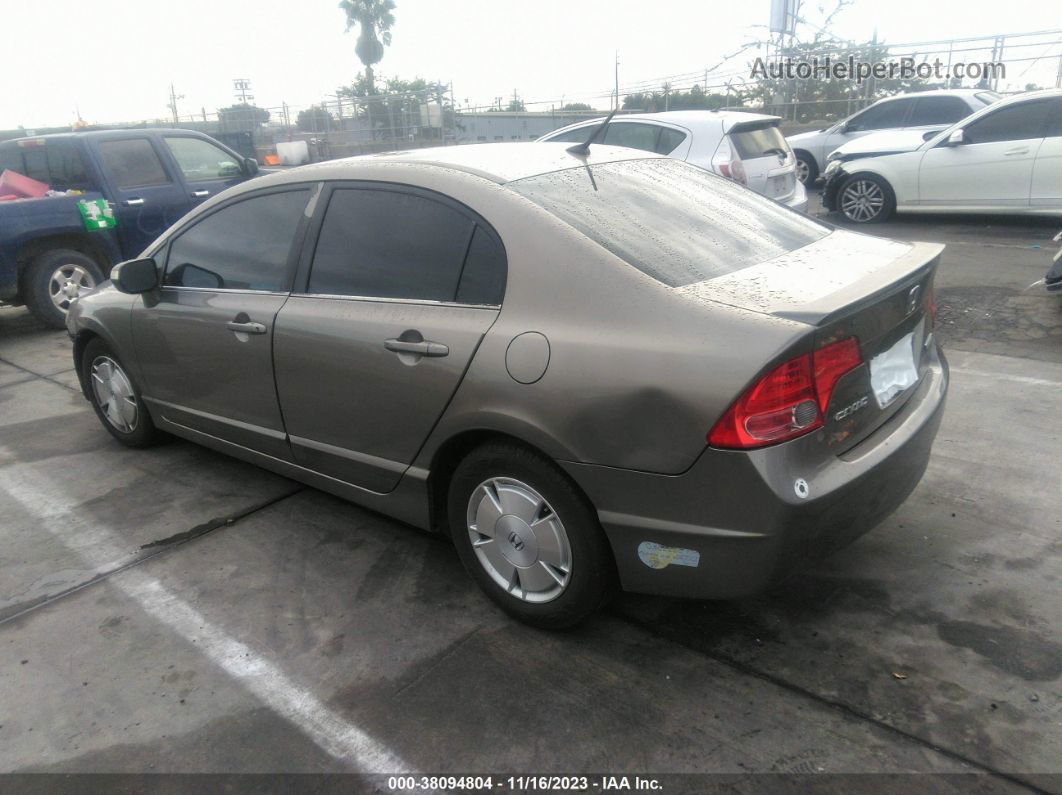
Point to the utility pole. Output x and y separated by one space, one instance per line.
617 80
173 103
241 86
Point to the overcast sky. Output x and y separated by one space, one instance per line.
115 59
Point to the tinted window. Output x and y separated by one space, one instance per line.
201 160
669 139
57 163
988 97
389 244
938 110
483 278
677 223
132 163
1054 119
1012 123
632 135
761 142
578 135
242 246
882 117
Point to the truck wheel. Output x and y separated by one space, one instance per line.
54 279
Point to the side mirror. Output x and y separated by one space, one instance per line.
956 138
135 276
250 165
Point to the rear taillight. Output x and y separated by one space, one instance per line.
787 402
727 163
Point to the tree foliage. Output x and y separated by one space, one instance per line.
242 117
374 20
694 99
315 118
576 106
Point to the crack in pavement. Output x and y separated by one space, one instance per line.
50 378
160 547
847 709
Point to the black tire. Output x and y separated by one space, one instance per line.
39 286
813 167
888 206
592 570
143 432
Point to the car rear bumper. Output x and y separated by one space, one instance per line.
733 524
799 200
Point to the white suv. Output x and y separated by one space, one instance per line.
921 111
746 147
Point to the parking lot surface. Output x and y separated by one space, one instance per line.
174 610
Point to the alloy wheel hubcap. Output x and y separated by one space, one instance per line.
114 394
519 540
862 200
66 284
802 171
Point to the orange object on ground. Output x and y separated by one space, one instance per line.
13 182
272 160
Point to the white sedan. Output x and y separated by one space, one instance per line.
748 148
1006 158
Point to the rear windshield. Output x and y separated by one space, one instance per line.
58 164
761 142
675 222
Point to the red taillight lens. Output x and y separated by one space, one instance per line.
787 402
831 362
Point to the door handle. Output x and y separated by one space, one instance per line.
133 202
247 328
199 194
1022 150
422 348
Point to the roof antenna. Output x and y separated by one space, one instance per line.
583 149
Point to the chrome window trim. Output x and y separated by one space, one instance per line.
383 300
233 290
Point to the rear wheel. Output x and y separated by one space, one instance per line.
528 537
866 199
807 171
115 398
54 279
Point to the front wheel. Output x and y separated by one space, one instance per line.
115 397
866 199
528 537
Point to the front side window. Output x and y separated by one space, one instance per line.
389 244
937 110
200 160
243 246
884 116
132 163
675 222
1013 123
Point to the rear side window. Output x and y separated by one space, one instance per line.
56 163
669 140
882 117
389 244
1013 123
483 277
132 163
938 110
670 220
759 142
244 246
633 135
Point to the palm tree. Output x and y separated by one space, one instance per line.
374 19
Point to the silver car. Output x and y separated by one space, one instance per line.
748 148
594 370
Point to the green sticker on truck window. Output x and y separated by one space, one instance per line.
97 214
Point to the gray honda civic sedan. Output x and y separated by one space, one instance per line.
596 370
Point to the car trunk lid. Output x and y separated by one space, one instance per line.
849 285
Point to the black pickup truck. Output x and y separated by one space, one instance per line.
112 193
